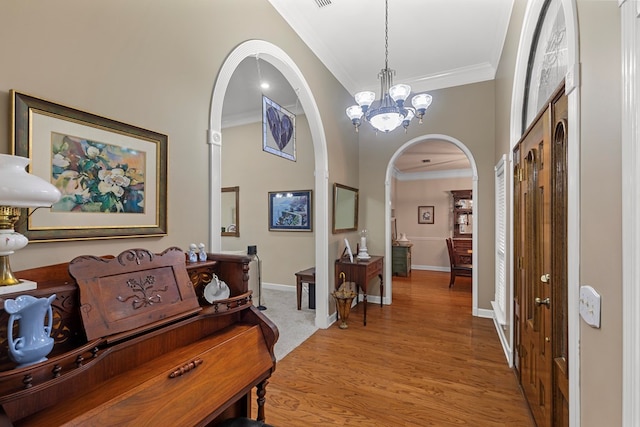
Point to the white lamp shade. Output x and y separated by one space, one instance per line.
399 92
421 101
386 122
365 98
20 189
410 115
354 112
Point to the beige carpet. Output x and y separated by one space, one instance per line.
294 326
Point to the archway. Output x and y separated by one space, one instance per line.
280 60
387 298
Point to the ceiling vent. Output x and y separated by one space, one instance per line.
323 3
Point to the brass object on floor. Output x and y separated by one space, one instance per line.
344 297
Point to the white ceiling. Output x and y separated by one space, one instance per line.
433 44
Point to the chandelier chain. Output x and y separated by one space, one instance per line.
386 34
390 111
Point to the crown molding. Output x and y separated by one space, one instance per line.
444 174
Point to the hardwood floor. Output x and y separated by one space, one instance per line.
422 361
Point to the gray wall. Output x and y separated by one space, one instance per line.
429 249
465 113
154 65
600 210
257 172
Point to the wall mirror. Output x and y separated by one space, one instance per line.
230 211
345 208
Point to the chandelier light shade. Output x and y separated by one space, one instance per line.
18 189
390 111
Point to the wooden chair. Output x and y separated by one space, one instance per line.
457 269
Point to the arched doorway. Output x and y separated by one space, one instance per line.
280 60
388 177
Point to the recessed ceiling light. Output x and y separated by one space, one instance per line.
264 85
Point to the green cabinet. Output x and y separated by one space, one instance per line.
401 260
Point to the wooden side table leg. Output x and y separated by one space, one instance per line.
260 392
364 301
299 291
381 289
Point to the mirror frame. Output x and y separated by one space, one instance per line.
336 188
235 190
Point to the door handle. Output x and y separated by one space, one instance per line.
545 301
545 278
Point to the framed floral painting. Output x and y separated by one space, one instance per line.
290 210
112 176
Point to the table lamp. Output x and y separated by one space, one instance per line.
18 189
362 253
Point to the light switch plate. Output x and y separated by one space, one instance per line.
590 306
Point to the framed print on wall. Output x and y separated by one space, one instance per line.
425 215
112 176
290 210
278 130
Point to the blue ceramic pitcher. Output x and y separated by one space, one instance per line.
33 343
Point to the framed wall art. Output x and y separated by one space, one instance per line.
290 210
425 215
112 176
278 130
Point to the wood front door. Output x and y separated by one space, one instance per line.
540 270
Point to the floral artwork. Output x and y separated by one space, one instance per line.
290 211
97 177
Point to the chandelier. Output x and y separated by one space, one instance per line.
389 112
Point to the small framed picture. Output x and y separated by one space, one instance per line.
290 210
425 215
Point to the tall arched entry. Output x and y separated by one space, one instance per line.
388 177
280 60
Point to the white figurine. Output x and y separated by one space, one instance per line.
202 254
193 255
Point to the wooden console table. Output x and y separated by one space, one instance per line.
361 272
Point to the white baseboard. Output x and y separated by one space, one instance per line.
372 299
431 268
278 287
504 341
483 312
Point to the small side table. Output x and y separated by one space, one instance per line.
306 276
361 272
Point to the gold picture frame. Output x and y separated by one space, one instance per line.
112 176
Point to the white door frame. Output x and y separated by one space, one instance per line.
629 18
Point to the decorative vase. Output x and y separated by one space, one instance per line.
33 343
